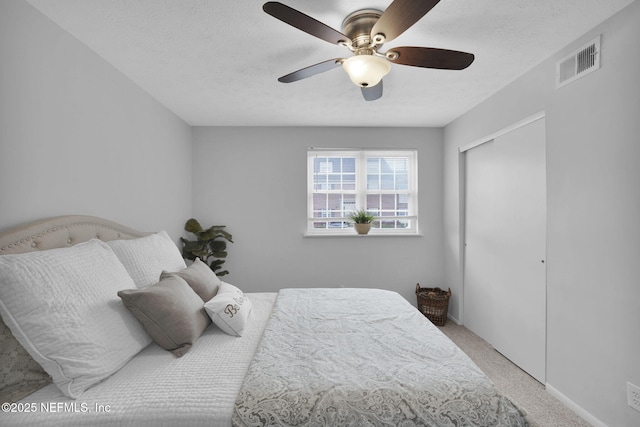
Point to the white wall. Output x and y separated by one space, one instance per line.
253 180
593 241
78 137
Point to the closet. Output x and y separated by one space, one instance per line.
505 243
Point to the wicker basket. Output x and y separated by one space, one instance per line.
433 303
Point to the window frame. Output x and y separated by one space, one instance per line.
361 191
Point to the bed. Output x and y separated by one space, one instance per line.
78 345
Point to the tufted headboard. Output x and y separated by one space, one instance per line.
20 375
62 231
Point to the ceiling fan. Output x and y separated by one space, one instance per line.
363 33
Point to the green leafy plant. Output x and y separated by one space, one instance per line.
361 216
210 245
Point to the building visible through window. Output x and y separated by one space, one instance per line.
382 182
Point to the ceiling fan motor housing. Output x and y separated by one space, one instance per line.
357 26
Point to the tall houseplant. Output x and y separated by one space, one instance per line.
210 245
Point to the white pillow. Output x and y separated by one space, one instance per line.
62 305
146 257
229 309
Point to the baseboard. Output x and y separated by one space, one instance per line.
574 406
453 319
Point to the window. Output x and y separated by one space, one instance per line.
383 182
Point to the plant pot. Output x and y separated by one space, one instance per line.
362 228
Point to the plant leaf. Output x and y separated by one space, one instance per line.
193 226
193 245
216 265
217 245
208 235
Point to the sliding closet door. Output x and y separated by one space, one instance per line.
505 220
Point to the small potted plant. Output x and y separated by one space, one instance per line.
362 220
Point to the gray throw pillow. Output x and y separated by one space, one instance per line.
200 277
170 311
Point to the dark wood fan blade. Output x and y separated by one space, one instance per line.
372 93
400 15
429 57
303 22
311 70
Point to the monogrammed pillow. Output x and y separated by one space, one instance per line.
229 309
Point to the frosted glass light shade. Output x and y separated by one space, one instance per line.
366 70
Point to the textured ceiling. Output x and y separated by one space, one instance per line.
216 62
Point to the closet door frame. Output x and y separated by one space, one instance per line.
539 370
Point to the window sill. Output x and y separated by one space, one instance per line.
363 235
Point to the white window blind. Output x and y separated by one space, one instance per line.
383 182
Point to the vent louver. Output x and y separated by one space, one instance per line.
578 63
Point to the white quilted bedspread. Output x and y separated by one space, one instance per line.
157 389
356 357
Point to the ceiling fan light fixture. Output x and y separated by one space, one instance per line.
366 70
363 33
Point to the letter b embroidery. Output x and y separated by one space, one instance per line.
231 310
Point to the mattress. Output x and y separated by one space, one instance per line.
157 389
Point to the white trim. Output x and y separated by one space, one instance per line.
360 190
574 406
360 149
354 234
537 116
454 319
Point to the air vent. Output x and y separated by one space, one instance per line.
579 63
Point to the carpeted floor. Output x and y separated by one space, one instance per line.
517 385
